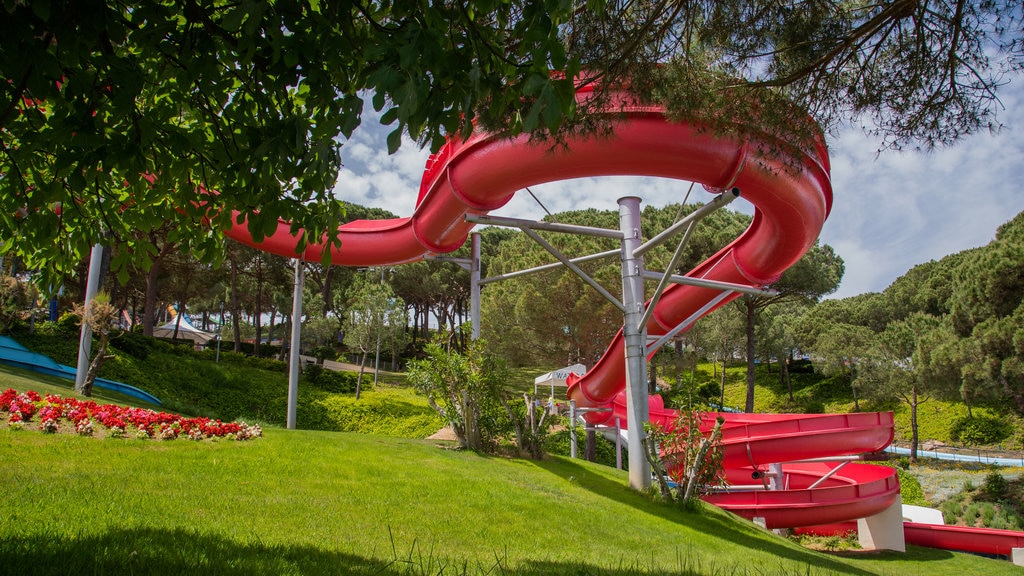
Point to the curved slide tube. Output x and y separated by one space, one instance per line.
752 442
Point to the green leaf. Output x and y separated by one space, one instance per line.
394 140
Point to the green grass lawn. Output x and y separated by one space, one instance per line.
308 502
301 502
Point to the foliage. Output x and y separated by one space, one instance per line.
375 320
330 380
56 413
464 389
687 453
910 488
979 430
17 301
996 504
385 413
560 443
100 100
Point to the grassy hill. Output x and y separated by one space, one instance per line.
314 502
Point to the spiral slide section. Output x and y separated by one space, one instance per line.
807 493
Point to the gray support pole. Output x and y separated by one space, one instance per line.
296 345
635 336
572 429
92 286
474 286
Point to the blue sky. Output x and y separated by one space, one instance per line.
891 211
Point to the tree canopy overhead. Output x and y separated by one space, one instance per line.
253 99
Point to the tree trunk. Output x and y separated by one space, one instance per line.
721 405
856 401
784 375
95 365
359 379
236 316
913 425
149 308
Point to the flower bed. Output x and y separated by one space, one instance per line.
55 413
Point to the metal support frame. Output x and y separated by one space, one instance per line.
632 304
635 336
830 473
471 265
296 344
551 266
85 337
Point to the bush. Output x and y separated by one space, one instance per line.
604 450
800 366
329 380
910 488
134 344
995 486
979 430
378 413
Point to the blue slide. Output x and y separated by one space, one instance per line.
15 354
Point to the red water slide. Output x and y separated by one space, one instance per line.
787 184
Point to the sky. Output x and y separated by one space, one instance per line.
891 211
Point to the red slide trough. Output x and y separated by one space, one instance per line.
752 442
963 538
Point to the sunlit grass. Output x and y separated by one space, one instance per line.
327 503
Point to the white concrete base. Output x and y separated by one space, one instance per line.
883 531
1017 556
922 515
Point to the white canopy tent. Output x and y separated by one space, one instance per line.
186 331
557 377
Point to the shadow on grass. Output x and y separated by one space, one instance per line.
143 551
719 525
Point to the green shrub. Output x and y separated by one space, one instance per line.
910 488
330 380
987 513
979 430
813 406
995 486
952 509
709 391
380 413
604 450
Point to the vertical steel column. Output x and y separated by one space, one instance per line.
635 336
474 285
296 345
92 286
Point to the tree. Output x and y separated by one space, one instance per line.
687 456
117 117
897 364
375 317
988 311
249 100
462 388
777 338
816 274
839 348
99 315
17 301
